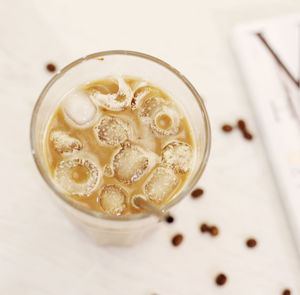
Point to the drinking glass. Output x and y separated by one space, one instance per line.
106 229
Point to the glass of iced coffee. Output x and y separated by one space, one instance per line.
115 127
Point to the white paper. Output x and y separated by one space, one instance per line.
275 97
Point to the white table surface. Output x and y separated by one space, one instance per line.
41 252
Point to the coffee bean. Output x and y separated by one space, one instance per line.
51 67
243 127
247 135
169 219
241 124
227 128
204 228
197 193
177 240
221 279
251 243
286 292
214 231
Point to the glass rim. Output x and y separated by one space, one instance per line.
97 214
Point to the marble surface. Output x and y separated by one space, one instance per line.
41 252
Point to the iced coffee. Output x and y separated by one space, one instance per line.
116 138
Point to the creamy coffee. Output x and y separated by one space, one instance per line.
115 138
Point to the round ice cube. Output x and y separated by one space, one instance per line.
178 156
114 101
140 91
165 121
113 199
160 184
149 106
79 109
77 176
131 162
111 131
65 144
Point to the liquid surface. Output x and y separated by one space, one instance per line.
115 138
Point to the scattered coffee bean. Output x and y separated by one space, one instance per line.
248 135
177 240
197 193
251 243
169 219
286 292
213 230
51 67
243 127
204 228
221 279
227 128
241 124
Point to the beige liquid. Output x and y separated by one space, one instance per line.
141 135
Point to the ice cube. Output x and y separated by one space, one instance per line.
65 144
137 98
149 106
140 91
165 121
113 199
147 139
131 162
111 131
79 110
160 184
77 176
114 101
178 156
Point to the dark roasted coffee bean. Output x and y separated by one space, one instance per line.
214 231
204 228
197 193
227 128
286 292
247 135
221 279
51 67
251 243
241 124
177 240
243 127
